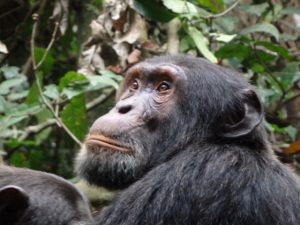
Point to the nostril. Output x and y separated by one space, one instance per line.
125 109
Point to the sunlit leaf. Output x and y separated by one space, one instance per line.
51 91
201 43
3 48
102 80
262 27
3 104
6 85
110 74
15 96
10 71
180 6
223 37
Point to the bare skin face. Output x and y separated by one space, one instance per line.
119 146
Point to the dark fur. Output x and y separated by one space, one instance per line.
194 168
30 197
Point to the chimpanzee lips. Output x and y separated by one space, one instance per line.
102 141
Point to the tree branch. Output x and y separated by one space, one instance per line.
172 34
35 67
50 122
37 128
102 98
224 12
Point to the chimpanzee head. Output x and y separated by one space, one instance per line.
30 197
166 104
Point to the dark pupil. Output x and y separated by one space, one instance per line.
135 85
163 87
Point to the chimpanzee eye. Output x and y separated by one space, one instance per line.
134 85
163 86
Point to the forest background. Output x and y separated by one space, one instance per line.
62 61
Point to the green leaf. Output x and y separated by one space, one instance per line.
3 104
226 24
47 64
72 92
292 132
290 10
110 74
186 43
70 78
33 95
180 6
10 71
153 10
262 27
290 73
95 80
43 135
75 118
288 37
256 10
223 37
275 48
18 159
43 116
257 68
214 6
260 56
18 113
8 121
17 96
6 85
51 91
233 50
201 43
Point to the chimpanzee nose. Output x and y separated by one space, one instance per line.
124 109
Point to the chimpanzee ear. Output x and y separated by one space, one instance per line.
251 118
13 203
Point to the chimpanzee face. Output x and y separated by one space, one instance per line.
120 144
163 104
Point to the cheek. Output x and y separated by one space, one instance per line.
163 106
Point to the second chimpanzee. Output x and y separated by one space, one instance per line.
30 197
186 141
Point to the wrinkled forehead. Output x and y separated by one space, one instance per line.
146 70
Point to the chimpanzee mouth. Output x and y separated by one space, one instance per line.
102 141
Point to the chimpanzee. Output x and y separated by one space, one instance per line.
186 142
30 197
